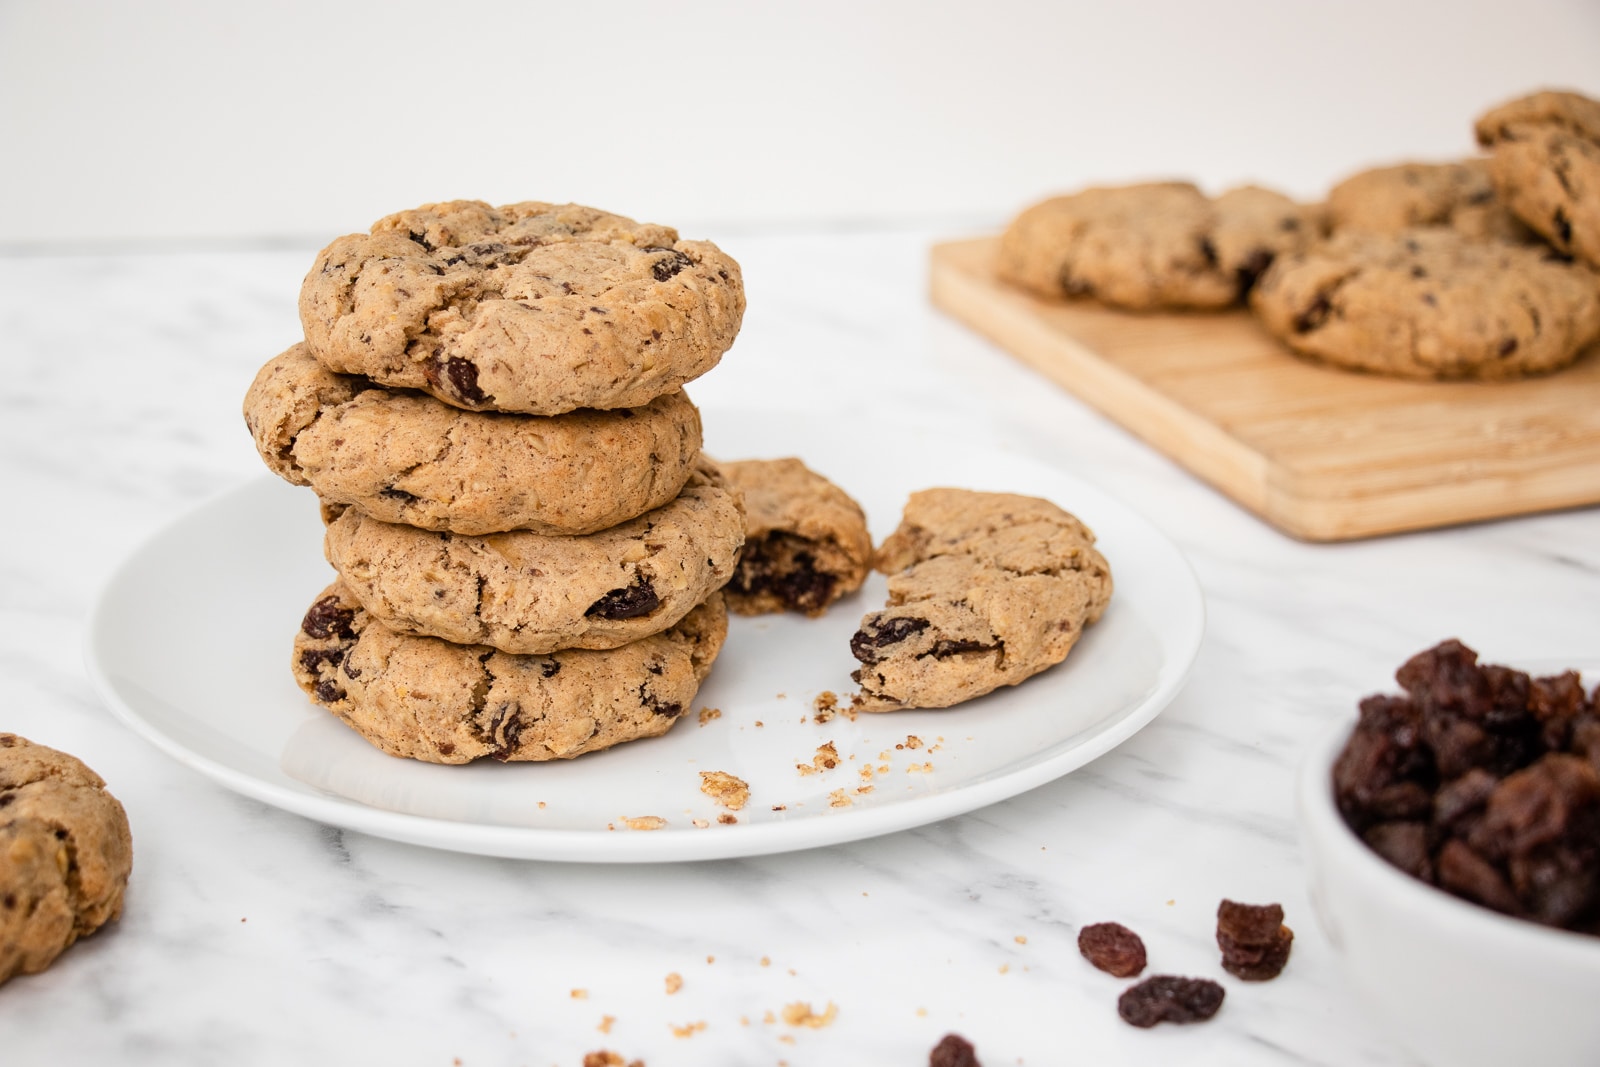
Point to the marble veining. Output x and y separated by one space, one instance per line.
253 936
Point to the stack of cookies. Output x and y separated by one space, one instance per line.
530 546
1485 268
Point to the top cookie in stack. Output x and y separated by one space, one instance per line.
488 402
532 307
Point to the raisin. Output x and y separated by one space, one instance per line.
401 495
629 602
670 265
1169 999
1113 948
313 658
946 649
1315 314
1255 943
463 376
6 798
874 635
1404 844
329 692
1543 825
953 1050
327 619
1254 266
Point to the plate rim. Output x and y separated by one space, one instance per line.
601 846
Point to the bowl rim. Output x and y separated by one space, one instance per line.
1326 832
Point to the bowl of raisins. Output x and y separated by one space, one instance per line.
1452 835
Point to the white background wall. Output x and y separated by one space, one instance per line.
293 119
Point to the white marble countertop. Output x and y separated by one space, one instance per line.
256 936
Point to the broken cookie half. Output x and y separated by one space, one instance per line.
985 590
806 541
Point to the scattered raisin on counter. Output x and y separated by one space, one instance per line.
953 1051
1483 781
1169 999
1255 943
1113 948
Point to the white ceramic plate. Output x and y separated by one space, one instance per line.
189 645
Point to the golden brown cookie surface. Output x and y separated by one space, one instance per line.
530 307
65 854
427 699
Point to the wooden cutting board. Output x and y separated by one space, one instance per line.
1323 454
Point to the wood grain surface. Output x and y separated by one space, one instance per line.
1321 453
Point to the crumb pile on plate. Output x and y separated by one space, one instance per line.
530 544
1483 268
65 854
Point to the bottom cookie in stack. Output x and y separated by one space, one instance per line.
428 699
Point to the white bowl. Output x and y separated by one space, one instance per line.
1457 984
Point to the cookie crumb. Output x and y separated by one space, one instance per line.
759 724
766 961
700 824
541 805
711 959
709 715
674 983
768 1018
800 1014
1020 939
839 799
1005 968
919 768
644 822
606 1058
580 994
780 807
688 1029
726 789
913 741
826 705
605 1023
827 757
863 790
727 820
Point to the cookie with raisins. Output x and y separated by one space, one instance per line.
531 307
985 590
402 456
529 593
427 699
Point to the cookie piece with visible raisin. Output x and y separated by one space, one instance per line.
531 307
1545 163
430 700
1155 245
67 854
985 590
806 541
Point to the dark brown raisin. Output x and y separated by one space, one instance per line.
312 658
1169 999
878 633
1404 844
329 692
670 264
1315 314
946 649
1542 827
421 239
6 798
1254 266
463 377
327 619
953 1051
629 602
397 494
1254 942
1113 948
